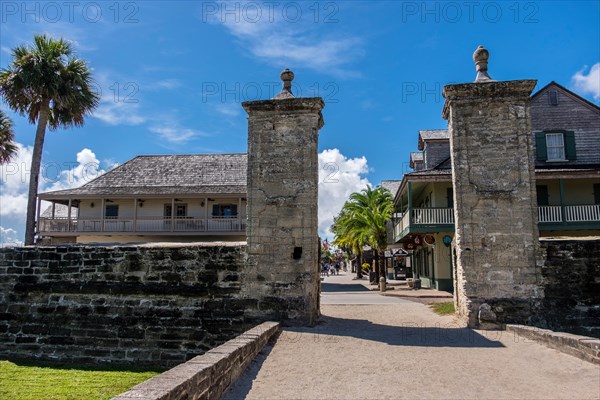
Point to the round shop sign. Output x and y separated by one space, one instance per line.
429 239
447 240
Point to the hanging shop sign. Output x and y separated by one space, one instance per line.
429 240
447 240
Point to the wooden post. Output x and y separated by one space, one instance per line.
135 215
102 212
239 214
563 211
53 209
172 214
409 186
69 217
206 214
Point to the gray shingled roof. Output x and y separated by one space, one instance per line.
168 174
60 211
434 134
391 185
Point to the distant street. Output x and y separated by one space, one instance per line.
341 289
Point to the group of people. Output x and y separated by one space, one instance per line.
333 268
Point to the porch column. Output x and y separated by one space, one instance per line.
409 188
561 191
172 214
37 224
53 209
135 215
69 216
102 211
206 214
239 213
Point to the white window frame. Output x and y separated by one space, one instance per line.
552 149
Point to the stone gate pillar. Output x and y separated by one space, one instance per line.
283 245
495 206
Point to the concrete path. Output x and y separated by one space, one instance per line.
399 349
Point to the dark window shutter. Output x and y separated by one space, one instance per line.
570 146
216 210
541 151
596 193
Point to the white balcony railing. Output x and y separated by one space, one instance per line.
546 214
582 213
549 214
147 224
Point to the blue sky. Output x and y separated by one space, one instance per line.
173 74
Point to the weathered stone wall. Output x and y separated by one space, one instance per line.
571 280
283 244
141 305
495 202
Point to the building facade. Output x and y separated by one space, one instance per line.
172 198
566 133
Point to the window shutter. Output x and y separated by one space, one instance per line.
215 211
540 146
570 146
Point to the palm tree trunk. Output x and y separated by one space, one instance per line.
376 258
359 258
34 178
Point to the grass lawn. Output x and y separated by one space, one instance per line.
50 382
446 308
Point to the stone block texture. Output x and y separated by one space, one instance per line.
156 306
282 228
571 280
495 201
206 377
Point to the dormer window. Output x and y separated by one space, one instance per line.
555 146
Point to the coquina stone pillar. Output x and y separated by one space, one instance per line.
495 208
282 230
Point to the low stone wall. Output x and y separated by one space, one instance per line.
142 305
583 347
206 377
571 282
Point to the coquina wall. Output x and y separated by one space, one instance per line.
571 280
140 305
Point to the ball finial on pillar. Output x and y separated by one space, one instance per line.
481 56
287 76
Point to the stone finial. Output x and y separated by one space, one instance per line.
481 57
287 77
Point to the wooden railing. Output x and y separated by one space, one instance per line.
146 224
553 214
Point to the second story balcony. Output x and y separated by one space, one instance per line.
550 218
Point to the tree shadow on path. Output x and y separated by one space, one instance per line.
333 329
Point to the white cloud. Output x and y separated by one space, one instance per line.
293 40
118 113
229 109
14 185
175 135
76 174
8 237
588 84
339 176
168 84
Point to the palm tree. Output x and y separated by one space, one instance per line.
49 85
8 148
362 220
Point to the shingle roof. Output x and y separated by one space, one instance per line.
169 174
392 186
432 134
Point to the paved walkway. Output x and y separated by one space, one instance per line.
381 347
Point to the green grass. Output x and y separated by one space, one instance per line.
446 308
50 382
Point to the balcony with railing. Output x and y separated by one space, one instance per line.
428 220
569 217
421 220
147 225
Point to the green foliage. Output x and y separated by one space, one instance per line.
446 308
29 382
46 72
362 220
8 149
